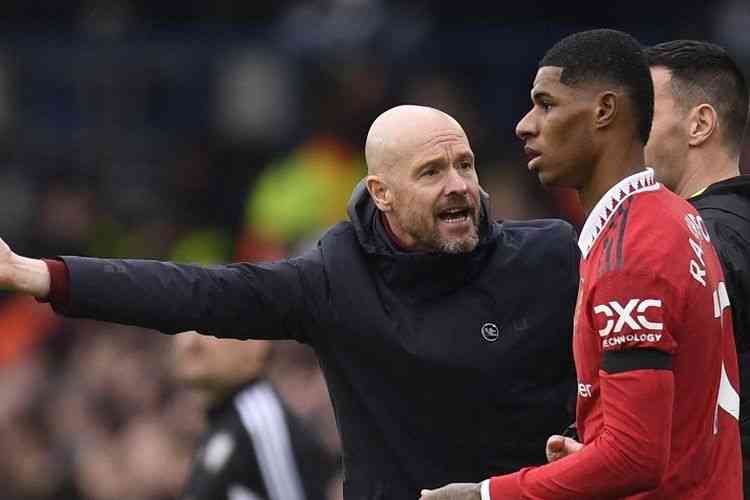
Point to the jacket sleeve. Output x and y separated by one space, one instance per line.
630 455
276 300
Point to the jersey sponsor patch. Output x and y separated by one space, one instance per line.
632 323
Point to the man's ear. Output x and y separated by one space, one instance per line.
379 192
606 108
702 122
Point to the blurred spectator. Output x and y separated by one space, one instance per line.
256 100
254 447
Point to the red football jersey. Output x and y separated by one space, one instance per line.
655 358
650 279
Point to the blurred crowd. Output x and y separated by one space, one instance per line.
225 133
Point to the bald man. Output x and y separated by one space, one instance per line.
425 209
444 337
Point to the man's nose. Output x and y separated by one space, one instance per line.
456 182
525 127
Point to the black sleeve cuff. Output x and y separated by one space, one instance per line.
636 359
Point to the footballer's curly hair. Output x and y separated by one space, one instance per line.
703 72
607 56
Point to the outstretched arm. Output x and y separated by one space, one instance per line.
269 300
22 274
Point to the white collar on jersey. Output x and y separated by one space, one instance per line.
607 205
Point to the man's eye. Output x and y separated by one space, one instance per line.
466 165
429 172
545 106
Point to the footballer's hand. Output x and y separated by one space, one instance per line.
21 274
453 491
559 447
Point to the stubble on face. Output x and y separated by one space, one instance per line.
423 227
461 245
401 142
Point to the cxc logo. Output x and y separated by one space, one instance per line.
625 315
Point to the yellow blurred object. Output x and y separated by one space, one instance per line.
305 192
202 247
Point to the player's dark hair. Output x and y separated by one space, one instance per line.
703 72
609 56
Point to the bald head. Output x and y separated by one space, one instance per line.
400 132
421 174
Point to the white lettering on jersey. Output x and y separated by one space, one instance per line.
696 226
697 250
728 398
721 299
697 272
632 337
584 390
625 315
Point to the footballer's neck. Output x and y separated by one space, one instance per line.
613 166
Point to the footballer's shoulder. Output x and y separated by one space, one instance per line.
655 228
662 214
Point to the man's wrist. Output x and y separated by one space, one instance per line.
30 276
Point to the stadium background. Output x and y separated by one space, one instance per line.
230 131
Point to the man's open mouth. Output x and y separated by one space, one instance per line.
455 215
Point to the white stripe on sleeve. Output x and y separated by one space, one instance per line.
263 417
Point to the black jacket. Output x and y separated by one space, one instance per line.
440 367
255 448
725 208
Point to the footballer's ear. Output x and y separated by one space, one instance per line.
606 104
702 121
379 192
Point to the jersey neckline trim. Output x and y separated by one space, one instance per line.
607 205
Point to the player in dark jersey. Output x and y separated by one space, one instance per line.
700 117
653 343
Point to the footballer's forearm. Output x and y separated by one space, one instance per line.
629 455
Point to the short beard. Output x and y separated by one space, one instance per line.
462 245
430 238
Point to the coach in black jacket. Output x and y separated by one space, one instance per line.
445 338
